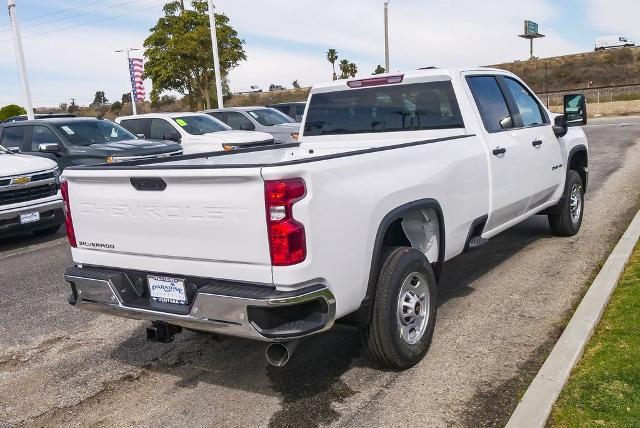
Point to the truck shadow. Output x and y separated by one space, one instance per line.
20 241
312 381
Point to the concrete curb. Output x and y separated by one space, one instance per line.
537 402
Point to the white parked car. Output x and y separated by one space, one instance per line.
608 42
30 199
197 132
265 119
394 175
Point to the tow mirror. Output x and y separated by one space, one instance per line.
575 110
49 148
560 126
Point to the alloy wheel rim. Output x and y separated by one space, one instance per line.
575 203
413 307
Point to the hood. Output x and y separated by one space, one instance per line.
233 137
14 164
133 147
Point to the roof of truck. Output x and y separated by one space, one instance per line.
169 115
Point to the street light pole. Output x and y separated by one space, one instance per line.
22 66
386 36
216 58
133 93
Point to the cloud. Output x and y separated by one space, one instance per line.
613 17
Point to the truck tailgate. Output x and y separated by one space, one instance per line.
207 222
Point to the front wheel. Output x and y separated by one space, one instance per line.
568 220
404 310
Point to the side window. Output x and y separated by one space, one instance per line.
42 135
13 136
530 110
161 129
137 126
238 121
491 103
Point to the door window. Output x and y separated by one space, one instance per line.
161 129
222 116
491 103
137 126
13 136
238 121
530 110
42 135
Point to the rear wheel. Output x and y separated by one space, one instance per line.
404 310
568 220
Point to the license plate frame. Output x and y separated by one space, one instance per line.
30 217
167 289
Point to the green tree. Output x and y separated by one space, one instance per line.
332 57
99 98
353 69
116 106
295 84
344 68
126 98
11 110
379 70
178 52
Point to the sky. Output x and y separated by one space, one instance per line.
69 44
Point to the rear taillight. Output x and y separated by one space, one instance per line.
287 242
71 234
375 81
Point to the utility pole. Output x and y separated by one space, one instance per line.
216 58
133 93
22 66
386 36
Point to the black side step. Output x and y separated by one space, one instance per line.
474 238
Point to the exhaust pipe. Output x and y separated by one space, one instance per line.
278 353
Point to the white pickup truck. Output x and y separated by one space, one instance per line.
30 200
393 176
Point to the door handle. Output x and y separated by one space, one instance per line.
499 151
536 143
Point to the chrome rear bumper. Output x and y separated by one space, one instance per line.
255 312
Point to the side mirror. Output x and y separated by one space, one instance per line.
560 126
575 110
142 136
247 127
14 149
49 148
172 136
506 122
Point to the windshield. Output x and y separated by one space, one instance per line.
200 124
269 116
86 133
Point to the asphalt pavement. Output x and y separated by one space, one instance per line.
500 310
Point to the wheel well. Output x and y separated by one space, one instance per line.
579 162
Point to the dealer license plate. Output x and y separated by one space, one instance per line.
29 217
167 290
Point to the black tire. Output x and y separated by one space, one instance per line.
47 231
383 335
564 223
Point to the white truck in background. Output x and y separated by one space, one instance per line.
30 200
394 175
610 42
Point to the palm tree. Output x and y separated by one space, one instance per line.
379 70
332 57
353 70
344 68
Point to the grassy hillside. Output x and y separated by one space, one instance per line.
603 68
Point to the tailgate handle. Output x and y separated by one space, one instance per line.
156 184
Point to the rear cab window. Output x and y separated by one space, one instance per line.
387 108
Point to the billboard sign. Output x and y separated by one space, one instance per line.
530 28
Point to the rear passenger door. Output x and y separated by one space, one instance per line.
509 167
536 134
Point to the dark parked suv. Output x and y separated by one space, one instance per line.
81 141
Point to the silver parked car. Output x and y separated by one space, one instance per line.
263 119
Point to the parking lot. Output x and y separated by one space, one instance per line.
500 311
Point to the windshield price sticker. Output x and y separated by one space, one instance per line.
181 122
